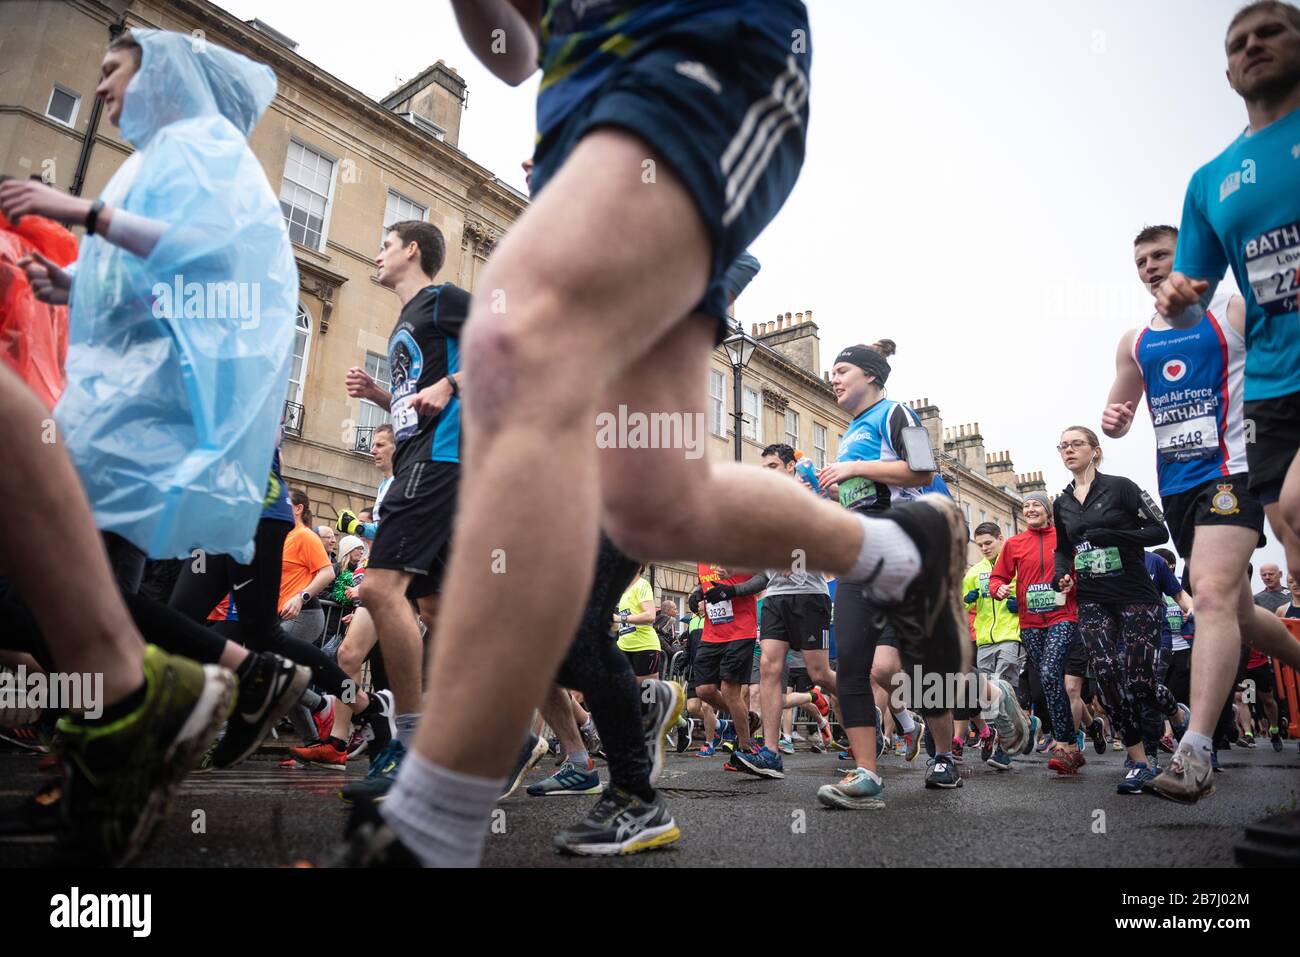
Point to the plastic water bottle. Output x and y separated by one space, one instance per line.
808 472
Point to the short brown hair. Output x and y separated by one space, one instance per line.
428 237
1150 234
1288 12
383 428
127 41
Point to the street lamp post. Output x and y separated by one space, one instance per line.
740 348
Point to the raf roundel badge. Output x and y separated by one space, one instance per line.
1225 502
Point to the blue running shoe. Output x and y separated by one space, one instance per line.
858 790
374 787
999 759
1031 741
760 762
1136 779
1045 744
1179 722
569 779
1078 740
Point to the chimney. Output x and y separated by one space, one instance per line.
969 448
795 337
433 101
999 469
929 416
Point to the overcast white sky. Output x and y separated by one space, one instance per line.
975 175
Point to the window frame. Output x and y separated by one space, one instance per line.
819 452
424 217
303 311
717 403
71 122
753 430
385 416
788 413
329 198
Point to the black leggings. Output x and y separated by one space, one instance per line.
1122 643
258 599
858 626
596 667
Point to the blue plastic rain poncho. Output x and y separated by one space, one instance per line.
178 364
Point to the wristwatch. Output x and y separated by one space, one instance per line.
92 216
455 387
306 597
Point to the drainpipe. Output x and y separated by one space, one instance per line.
92 127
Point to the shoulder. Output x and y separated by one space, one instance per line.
452 300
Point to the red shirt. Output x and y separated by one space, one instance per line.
1028 559
728 620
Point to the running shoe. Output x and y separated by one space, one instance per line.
1250 740
913 739
999 759
1214 762
755 724
1167 743
760 762
379 780
1116 744
707 750
273 686
1136 779
988 741
533 750
591 739
942 773
24 738
326 753
882 741
1079 739
846 755
620 823
1047 743
930 620
359 740
1186 779
570 779
119 777
324 719
685 731
1097 731
819 701
1034 727
1066 762
785 745
822 740
1276 739
662 703
1179 721
857 791
382 724
1009 720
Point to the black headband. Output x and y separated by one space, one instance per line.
867 359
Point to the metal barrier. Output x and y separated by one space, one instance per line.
1288 683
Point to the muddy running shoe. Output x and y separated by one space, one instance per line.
1066 762
1186 779
119 778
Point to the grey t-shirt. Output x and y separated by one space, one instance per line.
795 583
1272 600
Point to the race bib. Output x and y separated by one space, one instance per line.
1273 269
1096 562
720 613
857 493
405 419
984 583
1187 441
625 629
1174 616
1042 598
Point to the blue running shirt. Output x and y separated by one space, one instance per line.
1243 210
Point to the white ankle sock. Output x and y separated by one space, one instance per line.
442 816
888 554
905 722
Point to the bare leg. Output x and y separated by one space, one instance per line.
93 634
558 712
384 593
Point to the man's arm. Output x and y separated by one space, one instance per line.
1125 392
501 35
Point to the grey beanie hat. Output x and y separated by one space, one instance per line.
1042 498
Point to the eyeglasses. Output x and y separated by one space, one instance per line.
1076 444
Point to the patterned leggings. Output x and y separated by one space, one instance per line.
1123 642
1048 648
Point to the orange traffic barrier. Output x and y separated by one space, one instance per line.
1288 682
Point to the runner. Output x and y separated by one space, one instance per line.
1102 524
1242 210
411 544
724 662
1193 383
796 616
1157 734
579 292
997 627
634 622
